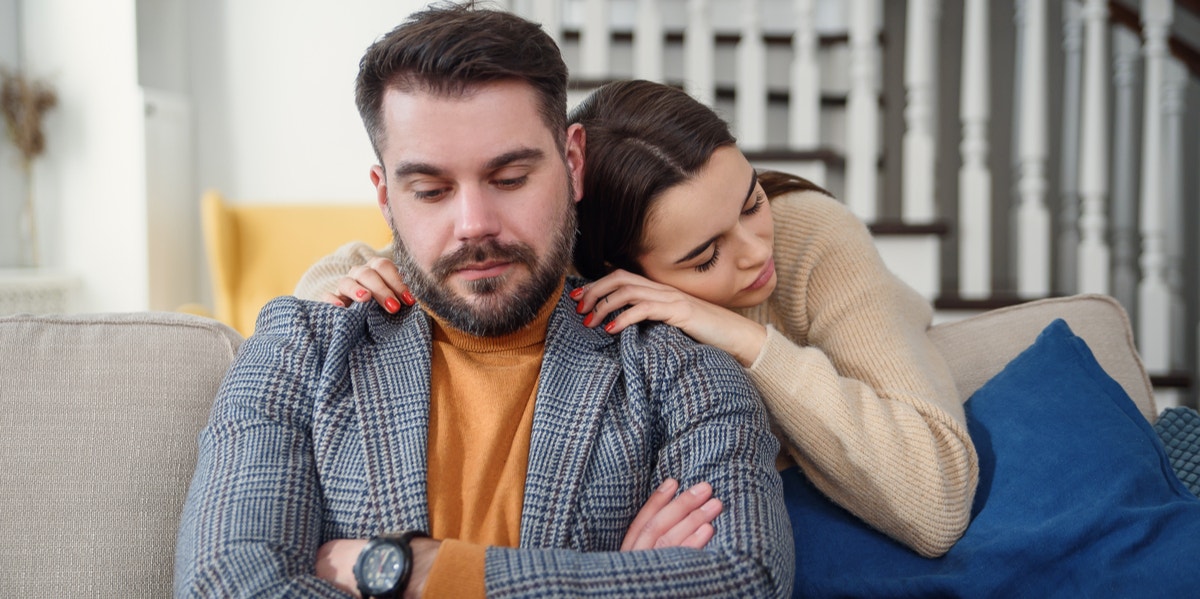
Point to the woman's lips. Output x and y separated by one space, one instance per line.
763 277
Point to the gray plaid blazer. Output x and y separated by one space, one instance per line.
319 432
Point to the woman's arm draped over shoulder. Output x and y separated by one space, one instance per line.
865 400
322 277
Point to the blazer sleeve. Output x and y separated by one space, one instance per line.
713 428
251 525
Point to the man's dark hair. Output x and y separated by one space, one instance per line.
448 49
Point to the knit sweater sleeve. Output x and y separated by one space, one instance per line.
322 277
866 402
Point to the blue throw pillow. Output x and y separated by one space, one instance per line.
1076 499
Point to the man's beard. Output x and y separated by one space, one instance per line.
493 311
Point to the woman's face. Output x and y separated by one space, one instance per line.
712 236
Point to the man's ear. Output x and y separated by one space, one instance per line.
379 181
576 149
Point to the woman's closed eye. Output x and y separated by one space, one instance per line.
711 262
758 202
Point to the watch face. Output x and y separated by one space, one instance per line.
381 568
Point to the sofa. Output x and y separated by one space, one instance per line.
99 416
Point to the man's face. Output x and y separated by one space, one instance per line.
480 200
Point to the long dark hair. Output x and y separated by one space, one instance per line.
643 138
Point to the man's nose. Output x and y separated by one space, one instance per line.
478 216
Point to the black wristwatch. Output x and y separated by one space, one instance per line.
385 564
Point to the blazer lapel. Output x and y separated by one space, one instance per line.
391 383
579 370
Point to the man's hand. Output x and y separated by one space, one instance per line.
335 563
336 559
683 521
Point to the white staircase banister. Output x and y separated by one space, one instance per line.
751 96
698 50
862 112
919 144
974 178
1093 162
648 41
1033 217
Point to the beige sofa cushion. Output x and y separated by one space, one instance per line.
98 423
979 347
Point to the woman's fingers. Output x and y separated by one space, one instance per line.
659 499
378 280
685 521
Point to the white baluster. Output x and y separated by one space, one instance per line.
1124 168
1174 87
549 14
919 155
698 44
804 108
1033 218
974 178
1068 178
1154 299
862 107
1093 164
751 80
648 41
594 40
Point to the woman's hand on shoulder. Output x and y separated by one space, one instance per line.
647 300
378 280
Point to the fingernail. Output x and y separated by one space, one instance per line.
712 505
698 489
339 303
576 293
391 305
666 486
587 322
579 308
361 293
610 326
407 298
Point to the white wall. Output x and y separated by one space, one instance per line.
273 83
12 182
90 182
270 84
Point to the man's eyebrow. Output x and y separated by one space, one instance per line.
515 156
405 169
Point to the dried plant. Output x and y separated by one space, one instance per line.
24 103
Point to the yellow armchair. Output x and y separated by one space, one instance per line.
257 252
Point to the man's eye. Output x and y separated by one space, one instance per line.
428 194
512 183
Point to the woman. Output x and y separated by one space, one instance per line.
676 226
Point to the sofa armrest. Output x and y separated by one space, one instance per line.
980 346
99 416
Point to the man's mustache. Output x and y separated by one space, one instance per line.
486 251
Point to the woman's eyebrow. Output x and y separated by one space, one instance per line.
697 250
753 184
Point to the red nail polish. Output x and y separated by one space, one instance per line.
407 298
361 293
587 322
391 305
609 327
576 293
579 308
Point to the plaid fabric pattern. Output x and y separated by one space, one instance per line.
319 432
1179 430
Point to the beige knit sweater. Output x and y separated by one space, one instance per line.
858 394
